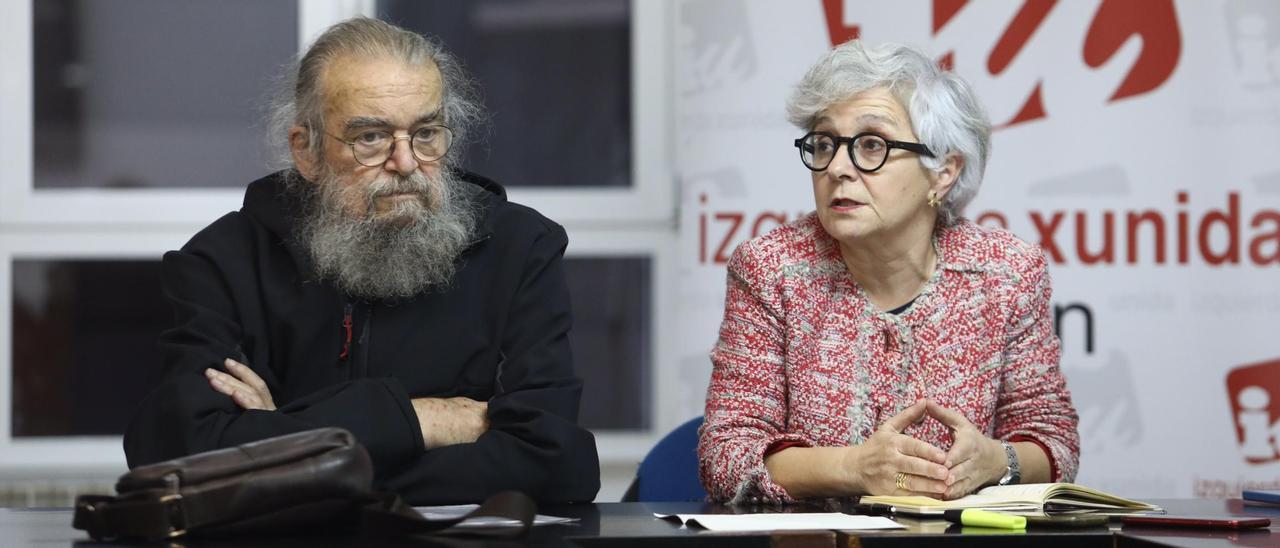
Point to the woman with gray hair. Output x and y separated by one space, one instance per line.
884 344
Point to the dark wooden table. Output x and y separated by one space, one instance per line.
632 524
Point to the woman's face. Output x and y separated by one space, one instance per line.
853 205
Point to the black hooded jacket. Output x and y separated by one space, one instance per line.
498 333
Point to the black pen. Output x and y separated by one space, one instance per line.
875 508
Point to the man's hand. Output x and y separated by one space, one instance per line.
450 421
244 386
893 463
976 460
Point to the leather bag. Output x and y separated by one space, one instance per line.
313 481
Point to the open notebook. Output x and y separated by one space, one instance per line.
1027 499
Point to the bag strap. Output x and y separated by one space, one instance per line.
512 514
153 517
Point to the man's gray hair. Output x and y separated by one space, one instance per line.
945 114
300 99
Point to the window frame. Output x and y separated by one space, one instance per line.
629 446
94 452
648 201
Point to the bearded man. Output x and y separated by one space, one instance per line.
375 287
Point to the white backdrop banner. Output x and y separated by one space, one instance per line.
1135 142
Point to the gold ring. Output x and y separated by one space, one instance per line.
901 481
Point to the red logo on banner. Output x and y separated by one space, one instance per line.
1153 22
1254 391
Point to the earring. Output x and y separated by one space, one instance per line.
934 201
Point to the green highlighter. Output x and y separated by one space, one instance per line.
984 518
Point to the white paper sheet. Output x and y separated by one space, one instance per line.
782 522
455 511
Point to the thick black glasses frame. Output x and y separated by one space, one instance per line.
847 142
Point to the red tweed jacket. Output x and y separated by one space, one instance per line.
805 357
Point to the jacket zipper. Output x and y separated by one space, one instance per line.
347 327
361 366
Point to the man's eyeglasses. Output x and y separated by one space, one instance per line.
868 151
372 148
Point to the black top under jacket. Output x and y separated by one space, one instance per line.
499 333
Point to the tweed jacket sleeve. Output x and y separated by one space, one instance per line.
1035 402
746 408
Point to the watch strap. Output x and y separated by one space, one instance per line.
1013 472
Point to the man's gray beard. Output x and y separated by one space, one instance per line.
397 254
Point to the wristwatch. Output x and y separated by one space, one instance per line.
1012 473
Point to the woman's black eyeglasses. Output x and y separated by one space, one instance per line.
868 151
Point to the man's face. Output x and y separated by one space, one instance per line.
380 94
388 230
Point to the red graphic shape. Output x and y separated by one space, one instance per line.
944 10
1032 109
1155 22
947 61
1016 35
836 29
1260 379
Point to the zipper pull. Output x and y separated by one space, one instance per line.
346 326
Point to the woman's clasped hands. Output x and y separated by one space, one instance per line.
893 463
